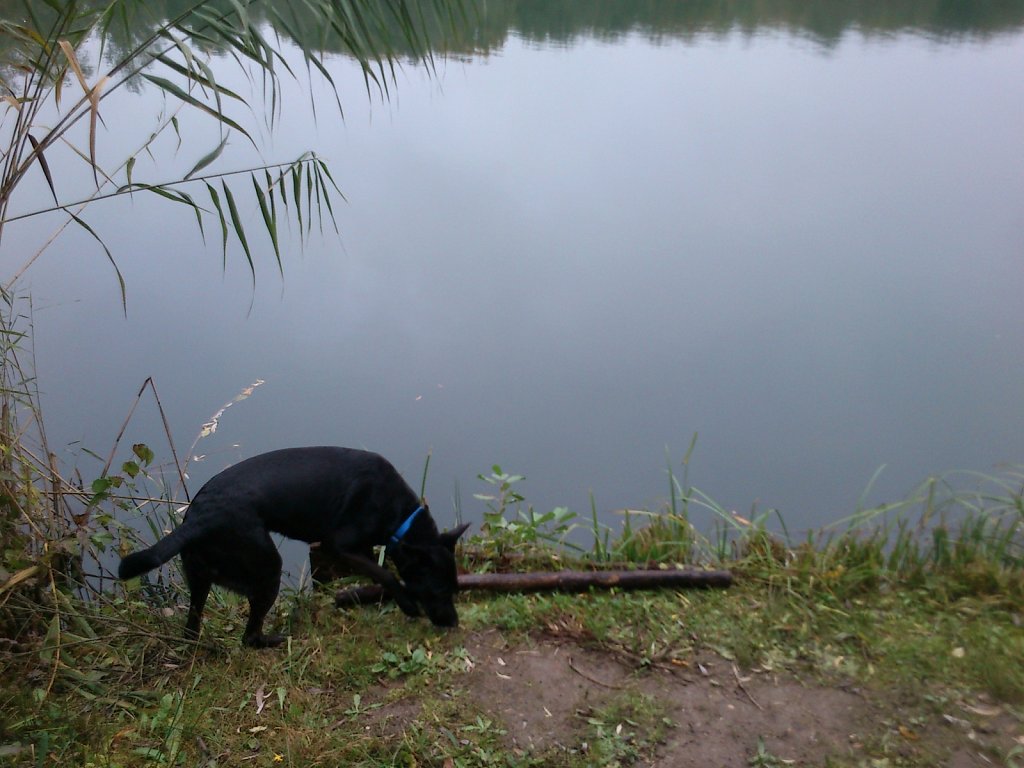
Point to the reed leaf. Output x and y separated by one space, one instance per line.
94 103
271 193
161 191
236 222
297 192
207 159
175 90
37 147
321 172
309 201
282 187
311 60
110 257
269 221
197 71
215 199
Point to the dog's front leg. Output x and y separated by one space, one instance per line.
384 577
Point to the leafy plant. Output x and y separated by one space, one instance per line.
518 529
418 661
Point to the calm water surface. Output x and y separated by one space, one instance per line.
569 253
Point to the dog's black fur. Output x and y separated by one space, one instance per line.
345 499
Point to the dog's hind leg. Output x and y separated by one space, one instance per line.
262 591
199 583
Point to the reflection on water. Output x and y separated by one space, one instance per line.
566 258
481 26
824 22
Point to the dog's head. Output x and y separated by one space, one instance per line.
430 577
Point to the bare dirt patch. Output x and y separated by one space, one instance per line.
540 690
545 694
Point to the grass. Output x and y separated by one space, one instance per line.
924 600
135 694
142 694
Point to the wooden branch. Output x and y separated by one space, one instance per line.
561 581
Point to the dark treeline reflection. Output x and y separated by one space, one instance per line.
824 21
479 26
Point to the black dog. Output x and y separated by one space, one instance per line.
345 499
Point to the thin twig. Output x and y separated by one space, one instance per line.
78 493
591 678
170 439
739 684
58 640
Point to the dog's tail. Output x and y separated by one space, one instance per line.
145 560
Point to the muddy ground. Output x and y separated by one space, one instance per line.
548 694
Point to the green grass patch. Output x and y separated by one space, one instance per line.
923 600
330 695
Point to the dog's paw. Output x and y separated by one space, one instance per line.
263 641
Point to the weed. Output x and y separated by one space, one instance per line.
627 727
418 661
510 529
762 758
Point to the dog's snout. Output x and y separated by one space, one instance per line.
444 617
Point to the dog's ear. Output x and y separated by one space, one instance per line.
448 538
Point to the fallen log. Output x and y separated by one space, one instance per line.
561 581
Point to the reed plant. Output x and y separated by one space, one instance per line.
961 532
61 62
669 534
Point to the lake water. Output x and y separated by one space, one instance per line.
581 244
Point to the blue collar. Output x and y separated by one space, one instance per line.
404 527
